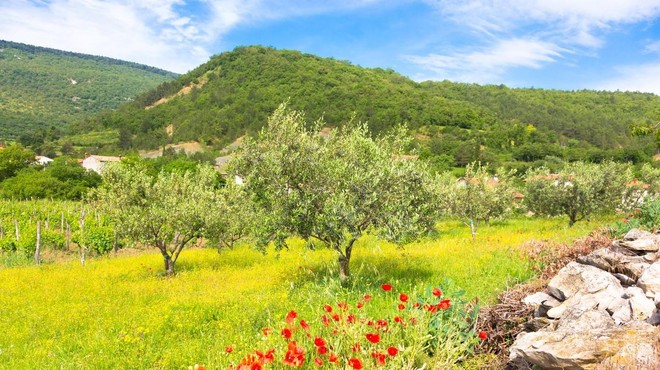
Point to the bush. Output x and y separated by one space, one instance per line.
49 240
99 239
647 216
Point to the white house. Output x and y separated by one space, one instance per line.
42 160
96 162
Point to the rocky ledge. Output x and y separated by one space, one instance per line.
601 312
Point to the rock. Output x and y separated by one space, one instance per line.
565 349
635 234
642 307
622 314
538 323
651 244
651 257
640 353
650 280
580 319
576 277
624 279
655 318
613 261
541 298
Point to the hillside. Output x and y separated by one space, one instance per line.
234 93
46 90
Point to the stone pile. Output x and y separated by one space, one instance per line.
601 312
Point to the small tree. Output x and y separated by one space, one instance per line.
577 191
478 197
167 212
230 216
333 188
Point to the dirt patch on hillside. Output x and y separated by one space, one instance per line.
184 91
188 147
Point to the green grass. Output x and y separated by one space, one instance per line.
119 312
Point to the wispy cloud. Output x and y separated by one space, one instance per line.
512 34
488 65
576 21
652 47
645 77
153 32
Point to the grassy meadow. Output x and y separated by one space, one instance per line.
119 312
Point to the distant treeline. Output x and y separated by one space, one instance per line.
455 123
38 49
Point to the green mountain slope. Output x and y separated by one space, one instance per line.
236 91
42 88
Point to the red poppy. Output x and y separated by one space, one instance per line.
266 331
398 319
401 306
318 362
333 358
199 367
335 317
379 357
381 324
304 325
356 347
355 363
392 351
416 305
319 342
286 333
342 305
291 316
350 319
437 292
322 350
325 320
367 297
295 356
327 308
266 358
229 349
444 304
359 305
386 287
373 337
403 297
483 335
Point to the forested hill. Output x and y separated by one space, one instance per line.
234 93
43 90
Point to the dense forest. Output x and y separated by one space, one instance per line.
42 91
454 123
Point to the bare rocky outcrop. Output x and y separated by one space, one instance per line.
601 312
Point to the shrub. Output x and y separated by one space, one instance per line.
647 216
99 239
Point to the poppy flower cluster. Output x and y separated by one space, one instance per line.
347 336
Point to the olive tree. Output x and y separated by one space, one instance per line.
230 216
478 196
577 191
167 212
333 187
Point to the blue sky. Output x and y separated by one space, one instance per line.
556 44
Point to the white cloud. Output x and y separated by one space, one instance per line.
119 29
645 77
652 47
577 21
486 66
153 32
